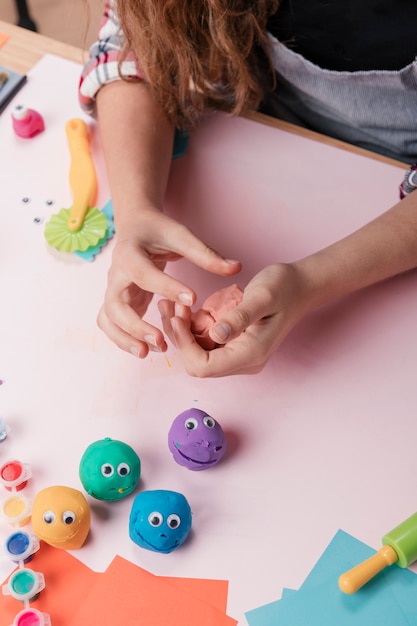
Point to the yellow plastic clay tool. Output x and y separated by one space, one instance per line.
81 226
399 546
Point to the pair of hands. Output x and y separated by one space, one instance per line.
273 301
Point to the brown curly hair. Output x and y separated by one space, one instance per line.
199 54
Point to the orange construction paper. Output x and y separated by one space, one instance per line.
127 594
67 583
3 38
212 591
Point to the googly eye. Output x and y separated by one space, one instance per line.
123 469
25 200
68 517
191 423
38 220
49 202
209 421
174 521
107 470
155 519
49 517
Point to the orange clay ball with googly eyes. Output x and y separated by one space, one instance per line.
61 517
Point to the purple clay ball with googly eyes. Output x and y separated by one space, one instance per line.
196 440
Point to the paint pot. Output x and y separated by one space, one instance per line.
24 585
16 510
21 546
31 617
14 475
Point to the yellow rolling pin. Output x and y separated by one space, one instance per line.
398 546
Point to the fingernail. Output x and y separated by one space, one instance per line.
162 310
231 261
221 332
178 310
133 350
186 298
150 339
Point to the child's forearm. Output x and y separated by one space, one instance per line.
383 248
137 143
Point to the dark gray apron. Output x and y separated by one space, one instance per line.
376 110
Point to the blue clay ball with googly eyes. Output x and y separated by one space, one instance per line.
160 520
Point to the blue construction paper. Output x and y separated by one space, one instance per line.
390 599
326 605
344 552
266 614
405 592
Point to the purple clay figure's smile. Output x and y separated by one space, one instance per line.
199 460
196 440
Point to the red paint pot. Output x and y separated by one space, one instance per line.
14 475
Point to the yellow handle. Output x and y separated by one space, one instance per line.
355 578
82 174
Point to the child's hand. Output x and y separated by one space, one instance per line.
136 273
273 302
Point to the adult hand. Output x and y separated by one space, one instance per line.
136 273
273 302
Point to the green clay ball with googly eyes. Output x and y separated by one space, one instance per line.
109 469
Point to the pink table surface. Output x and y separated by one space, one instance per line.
323 439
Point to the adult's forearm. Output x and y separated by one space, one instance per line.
381 249
137 142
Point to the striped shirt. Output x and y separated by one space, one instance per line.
103 64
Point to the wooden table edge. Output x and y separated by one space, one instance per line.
25 48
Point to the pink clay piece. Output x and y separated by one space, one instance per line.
216 305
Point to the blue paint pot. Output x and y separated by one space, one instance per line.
21 546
